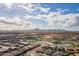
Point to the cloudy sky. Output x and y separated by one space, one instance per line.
24 16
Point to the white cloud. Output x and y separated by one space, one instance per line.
59 10
24 1
44 10
55 20
15 23
8 5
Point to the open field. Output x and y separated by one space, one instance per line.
39 44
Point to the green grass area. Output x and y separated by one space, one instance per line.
68 40
73 42
32 40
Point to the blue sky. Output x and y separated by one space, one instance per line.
53 7
40 15
72 6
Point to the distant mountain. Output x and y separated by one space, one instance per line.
38 30
47 30
34 30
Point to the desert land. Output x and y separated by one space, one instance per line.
39 43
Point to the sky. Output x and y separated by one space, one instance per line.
26 16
